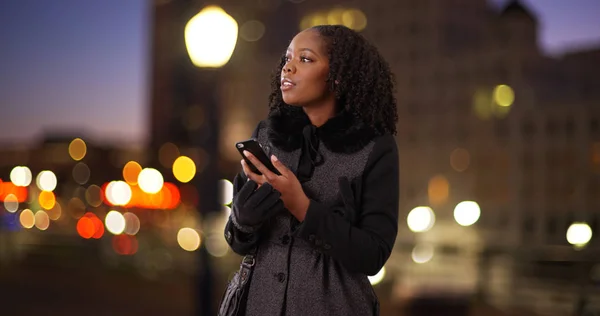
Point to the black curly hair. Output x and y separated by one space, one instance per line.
364 83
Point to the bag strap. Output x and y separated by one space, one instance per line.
246 268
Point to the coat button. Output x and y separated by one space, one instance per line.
327 246
285 239
280 277
311 237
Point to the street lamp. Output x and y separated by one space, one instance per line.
210 38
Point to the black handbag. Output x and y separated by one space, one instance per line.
234 299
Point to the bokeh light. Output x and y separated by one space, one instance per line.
252 31
460 159
131 172
118 192
55 212
188 239
115 222
42 221
150 180
46 180
11 203
422 253
504 95
579 234
132 223
85 227
81 173
466 213
21 176
93 195
77 149
438 190
420 219
226 191
27 218
377 278
47 199
216 245
184 169
125 245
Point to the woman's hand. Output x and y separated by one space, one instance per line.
292 194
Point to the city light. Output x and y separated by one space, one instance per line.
184 169
132 223
504 95
210 37
125 245
81 173
226 190
422 253
579 234
188 239
466 213
460 159
77 149
8 188
11 203
377 278
252 31
27 218
115 222
47 199
42 221
21 176
352 18
131 172
420 219
118 193
150 180
438 190
46 180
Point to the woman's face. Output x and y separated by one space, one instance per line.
304 75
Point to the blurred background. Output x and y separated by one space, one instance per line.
118 119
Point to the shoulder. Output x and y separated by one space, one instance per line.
384 152
259 127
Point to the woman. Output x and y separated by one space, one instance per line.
331 218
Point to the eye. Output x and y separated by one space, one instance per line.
305 60
287 58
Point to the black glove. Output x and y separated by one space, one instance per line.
252 206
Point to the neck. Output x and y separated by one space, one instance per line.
319 115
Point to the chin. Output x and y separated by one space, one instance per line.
291 101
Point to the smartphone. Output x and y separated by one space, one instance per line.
254 147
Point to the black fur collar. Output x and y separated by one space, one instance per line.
342 133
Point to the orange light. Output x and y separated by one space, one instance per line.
90 226
85 227
98 225
7 188
131 171
47 200
167 198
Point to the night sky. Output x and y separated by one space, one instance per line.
82 65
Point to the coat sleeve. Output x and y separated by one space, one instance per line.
240 242
365 246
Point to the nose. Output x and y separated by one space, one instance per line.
288 67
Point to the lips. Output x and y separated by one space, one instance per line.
287 84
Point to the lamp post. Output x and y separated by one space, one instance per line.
210 38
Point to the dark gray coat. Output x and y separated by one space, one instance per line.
320 266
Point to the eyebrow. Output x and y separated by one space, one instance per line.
304 49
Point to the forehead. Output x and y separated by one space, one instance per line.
308 39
